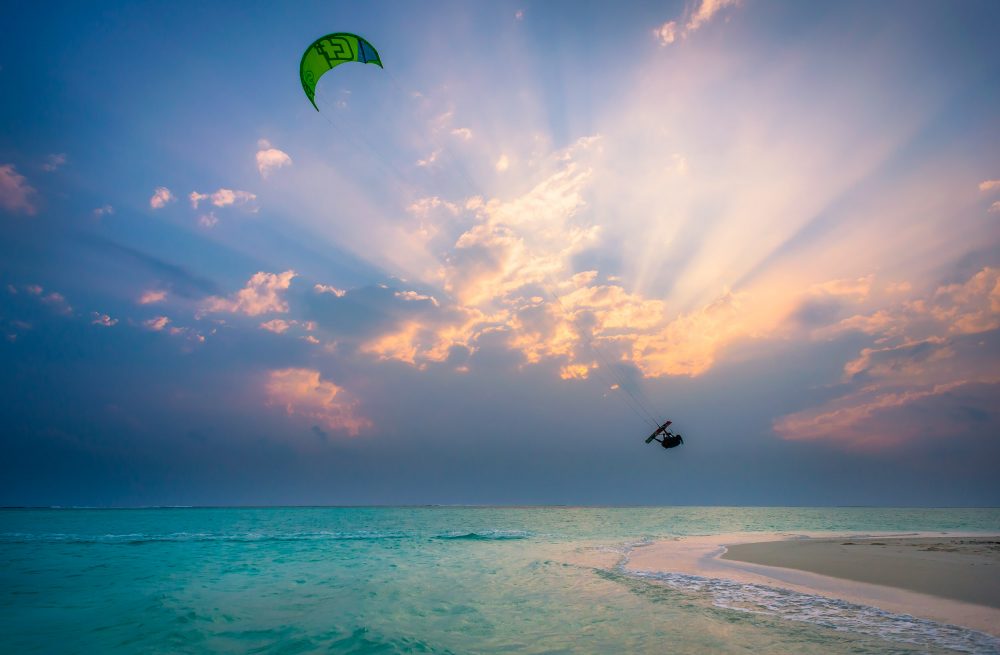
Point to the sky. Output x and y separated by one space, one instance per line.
481 274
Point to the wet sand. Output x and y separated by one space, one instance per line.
961 568
947 578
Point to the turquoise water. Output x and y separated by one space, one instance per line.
426 580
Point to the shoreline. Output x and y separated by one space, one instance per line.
850 566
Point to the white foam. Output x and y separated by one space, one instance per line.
823 611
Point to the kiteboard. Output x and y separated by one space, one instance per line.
659 430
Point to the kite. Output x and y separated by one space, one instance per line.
329 51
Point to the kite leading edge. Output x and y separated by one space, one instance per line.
330 51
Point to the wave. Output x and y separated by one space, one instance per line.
141 538
486 535
827 612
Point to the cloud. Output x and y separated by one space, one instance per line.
222 198
304 394
325 288
104 210
706 9
152 296
15 192
57 302
666 33
927 347
414 296
53 300
425 206
859 287
102 319
270 159
463 133
430 159
277 325
519 15
502 164
848 420
54 162
695 17
208 220
161 196
989 185
262 294
156 323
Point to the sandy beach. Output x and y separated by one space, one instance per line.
953 578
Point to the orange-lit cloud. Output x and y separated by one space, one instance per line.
697 15
277 325
262 294
15 192
152 296
326 288
161 196
157 323
922 350
102 319
301 392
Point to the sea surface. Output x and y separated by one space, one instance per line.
428 580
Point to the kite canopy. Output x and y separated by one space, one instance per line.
329 51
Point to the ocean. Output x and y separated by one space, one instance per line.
428 580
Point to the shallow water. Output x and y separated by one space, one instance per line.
427 580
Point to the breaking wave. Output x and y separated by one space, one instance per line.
486 535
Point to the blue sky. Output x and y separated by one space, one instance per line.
775 224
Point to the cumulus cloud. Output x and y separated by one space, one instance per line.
666 33
54 162
262 294
277 325
102 319
270 158
989 185
304 394
152 296
423 207
208 220
15 192
161 196
502 164
222 198
156 323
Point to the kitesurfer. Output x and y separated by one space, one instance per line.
671 440
667 438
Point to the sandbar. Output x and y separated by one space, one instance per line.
961 568
950 578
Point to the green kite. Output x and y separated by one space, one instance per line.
329 51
